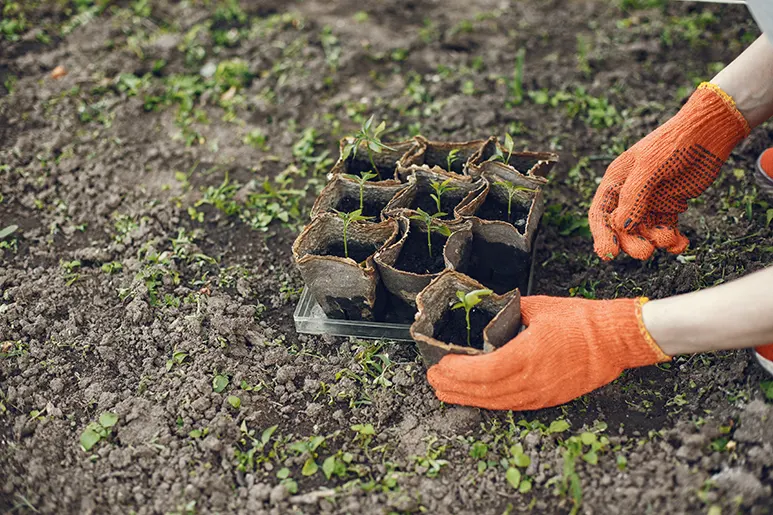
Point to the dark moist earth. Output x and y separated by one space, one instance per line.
493 209
452 327
356 250
129 289
348 204
414 256
499 267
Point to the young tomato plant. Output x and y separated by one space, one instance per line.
511 188
469 300
348 218
441 188
451 159
432 225
372 141
361 180
509 146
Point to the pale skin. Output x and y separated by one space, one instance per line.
739 314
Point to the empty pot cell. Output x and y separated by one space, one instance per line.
364 159
498 266
343 194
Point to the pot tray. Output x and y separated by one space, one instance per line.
310 319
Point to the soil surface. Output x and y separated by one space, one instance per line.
415 258
159 181
452 327
357 251
348 204
494 209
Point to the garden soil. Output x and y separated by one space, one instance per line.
153 255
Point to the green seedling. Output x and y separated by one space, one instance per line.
441 188
348 218
511 188
361 180
97 431
516 85
432 225
7 231
372 141
509 146
467 301
451 158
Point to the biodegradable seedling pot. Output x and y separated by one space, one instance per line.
343 194
418 193
385 160
343 287
401 265
530 164
440 330
500 255
435 155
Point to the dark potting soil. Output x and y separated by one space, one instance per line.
348 204
522 164
415 258
396 310
448 201
499 267
494 209
361 163
452 327
357 251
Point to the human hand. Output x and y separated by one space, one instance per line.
637 205
570 347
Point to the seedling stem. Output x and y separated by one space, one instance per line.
467 301
347 218
511 189
440 188
361 180
429 222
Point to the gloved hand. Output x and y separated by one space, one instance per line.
637 204
570 347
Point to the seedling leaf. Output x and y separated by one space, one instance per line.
89 438
108 419
310 467
558 426
4 233
234 401
219 383
513 476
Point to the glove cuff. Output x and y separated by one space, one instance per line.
725 125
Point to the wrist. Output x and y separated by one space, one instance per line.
724 126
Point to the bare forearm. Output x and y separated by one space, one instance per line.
749 80
735 315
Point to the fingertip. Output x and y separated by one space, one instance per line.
605 242
636 246
680 245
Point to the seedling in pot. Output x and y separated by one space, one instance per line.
348 218
511 189
432 225
467 301
372 142
509 146
451 159
361 180
440 188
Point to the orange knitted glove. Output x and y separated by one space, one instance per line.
637 204
570 347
